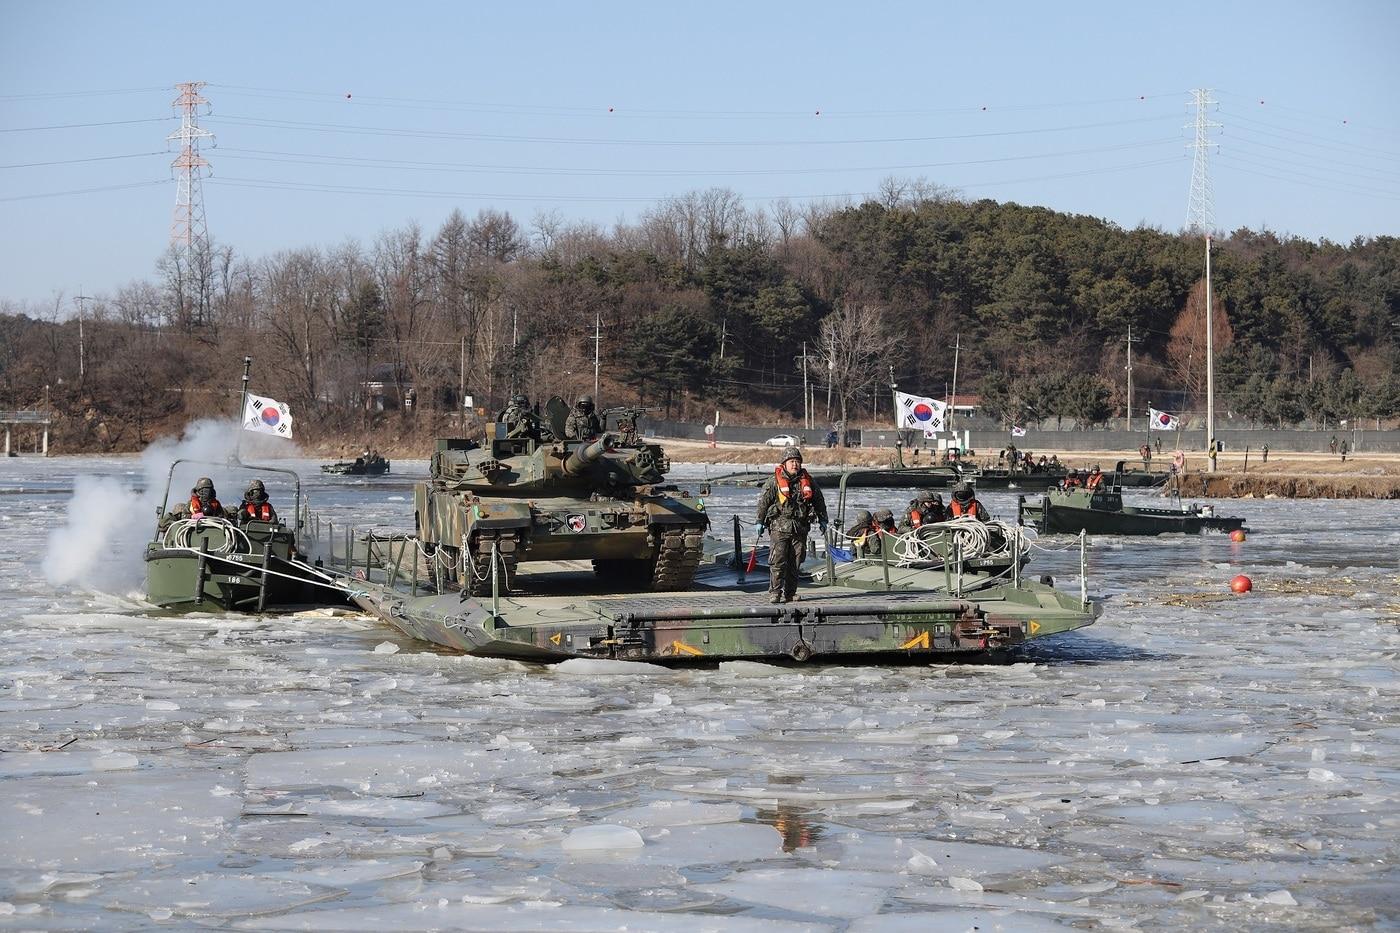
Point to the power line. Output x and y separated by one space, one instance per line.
76 126
130 155
60 194
58 95
591 141
304 158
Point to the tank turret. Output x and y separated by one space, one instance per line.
532 494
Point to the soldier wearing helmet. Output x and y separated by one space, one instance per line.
965 504
520 420
204 501
927 509
864 534
583 422
255 506
788 505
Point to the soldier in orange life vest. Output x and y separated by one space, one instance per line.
864 534
204 501
788 505
1095 479
255 506
965 504
925 510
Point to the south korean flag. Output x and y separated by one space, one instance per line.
267 416
923 414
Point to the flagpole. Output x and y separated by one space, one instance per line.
242 410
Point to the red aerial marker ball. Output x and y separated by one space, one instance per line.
1237 535
1241 584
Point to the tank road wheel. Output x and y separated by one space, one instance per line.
479 563
678 557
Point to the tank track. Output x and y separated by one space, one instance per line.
479 559
677 558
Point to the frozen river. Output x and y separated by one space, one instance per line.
1193 760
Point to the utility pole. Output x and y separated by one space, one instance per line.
953 399
806 411
1129 423
462 378
82 343
723 335
1200 219
597 351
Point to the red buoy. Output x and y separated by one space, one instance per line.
1241 584
1238 535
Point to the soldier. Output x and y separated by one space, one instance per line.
583 422
789 503
203 503
255 506
864 534
885 519
518 417
965 504
925 510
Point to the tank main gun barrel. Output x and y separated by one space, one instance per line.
578 461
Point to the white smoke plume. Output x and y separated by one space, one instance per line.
108 524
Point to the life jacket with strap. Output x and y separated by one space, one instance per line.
804 485
197 508
1094 481
916 518
258 511
973 508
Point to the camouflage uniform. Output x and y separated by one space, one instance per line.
864 536
583 422
518 417
929 505
788 520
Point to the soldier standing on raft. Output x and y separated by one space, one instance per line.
789 503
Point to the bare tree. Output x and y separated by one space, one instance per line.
854 345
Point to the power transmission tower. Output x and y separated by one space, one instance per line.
188 229
1200 207
1200 220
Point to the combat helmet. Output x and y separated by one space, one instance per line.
203 483
585 402
256 492
962 492
792 453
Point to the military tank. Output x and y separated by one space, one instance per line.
531 494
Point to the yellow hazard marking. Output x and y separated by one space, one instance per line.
556 637
680 647
1035 626
918 641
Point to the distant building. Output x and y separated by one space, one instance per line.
382 391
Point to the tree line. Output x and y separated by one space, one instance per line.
705 304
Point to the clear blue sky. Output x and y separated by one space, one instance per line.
340 120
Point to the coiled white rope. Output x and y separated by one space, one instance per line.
180 533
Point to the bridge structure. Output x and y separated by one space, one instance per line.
35 421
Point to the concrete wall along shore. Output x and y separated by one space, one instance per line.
1234 439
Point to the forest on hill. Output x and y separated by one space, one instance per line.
705 304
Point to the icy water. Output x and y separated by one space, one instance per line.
1192 761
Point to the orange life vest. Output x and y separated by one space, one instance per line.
804 484
1094 482
973 508
916 518
258 511
197 508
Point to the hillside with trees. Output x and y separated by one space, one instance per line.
705 304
